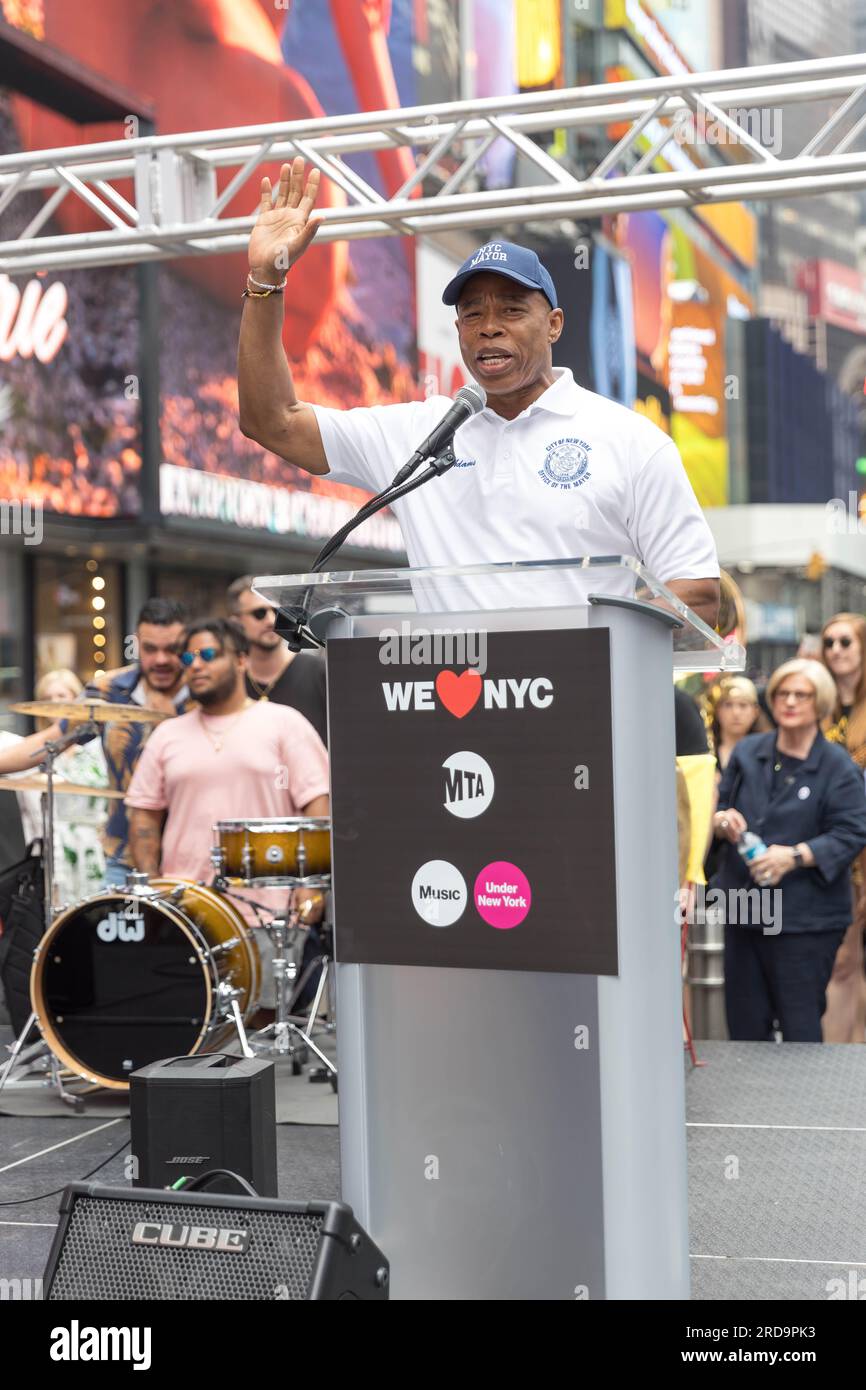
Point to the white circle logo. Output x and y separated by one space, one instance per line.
804 792
439 893
469 785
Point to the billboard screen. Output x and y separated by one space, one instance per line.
682 297
677 36
350 312
350 322
836 293
690 272
70 439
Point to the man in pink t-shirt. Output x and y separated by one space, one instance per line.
232 758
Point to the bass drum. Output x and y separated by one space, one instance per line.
127 978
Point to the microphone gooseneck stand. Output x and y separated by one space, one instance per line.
295 625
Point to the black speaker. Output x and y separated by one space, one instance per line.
125 1244
191 1114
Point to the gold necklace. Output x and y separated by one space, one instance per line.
216 740
263 691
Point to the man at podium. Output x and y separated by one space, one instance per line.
546 470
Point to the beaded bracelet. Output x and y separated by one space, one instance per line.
261 291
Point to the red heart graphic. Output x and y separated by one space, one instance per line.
459 694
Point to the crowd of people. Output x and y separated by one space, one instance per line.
246 738
242 736
790 821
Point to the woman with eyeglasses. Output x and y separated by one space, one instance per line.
785 893
843 645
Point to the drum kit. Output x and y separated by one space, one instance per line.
165 966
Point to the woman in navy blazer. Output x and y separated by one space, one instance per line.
787 910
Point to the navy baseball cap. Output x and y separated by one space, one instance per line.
503 258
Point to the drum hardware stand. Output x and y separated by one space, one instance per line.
42 1057
229 995
57 1080
277 1039
329 1071
18 1054
138 885
241 1031
326 1024
289 1036
52 750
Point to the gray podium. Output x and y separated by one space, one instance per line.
514 1132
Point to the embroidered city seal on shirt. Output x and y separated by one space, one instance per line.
566 464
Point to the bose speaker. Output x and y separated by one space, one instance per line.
121 1244
213 1110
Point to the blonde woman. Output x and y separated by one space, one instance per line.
735 712
804 798
79 867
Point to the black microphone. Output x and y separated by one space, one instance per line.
468 401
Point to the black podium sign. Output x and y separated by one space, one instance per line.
473 813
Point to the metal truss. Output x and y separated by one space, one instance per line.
177 209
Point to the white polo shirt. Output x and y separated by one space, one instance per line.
574 475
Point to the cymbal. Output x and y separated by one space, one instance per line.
80 711
38 783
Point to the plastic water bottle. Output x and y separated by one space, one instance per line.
750 846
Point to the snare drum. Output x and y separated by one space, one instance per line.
273 853
127 978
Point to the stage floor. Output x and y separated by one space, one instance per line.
777 1172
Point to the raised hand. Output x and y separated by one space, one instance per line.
283 230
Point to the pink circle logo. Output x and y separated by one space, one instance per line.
502 894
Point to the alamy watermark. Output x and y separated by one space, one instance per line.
419 646
852 1287
21 1290
22 519
77 1343
734 907
844 519
763 124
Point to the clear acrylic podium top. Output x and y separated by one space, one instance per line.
532 587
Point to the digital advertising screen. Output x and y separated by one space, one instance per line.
70 435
